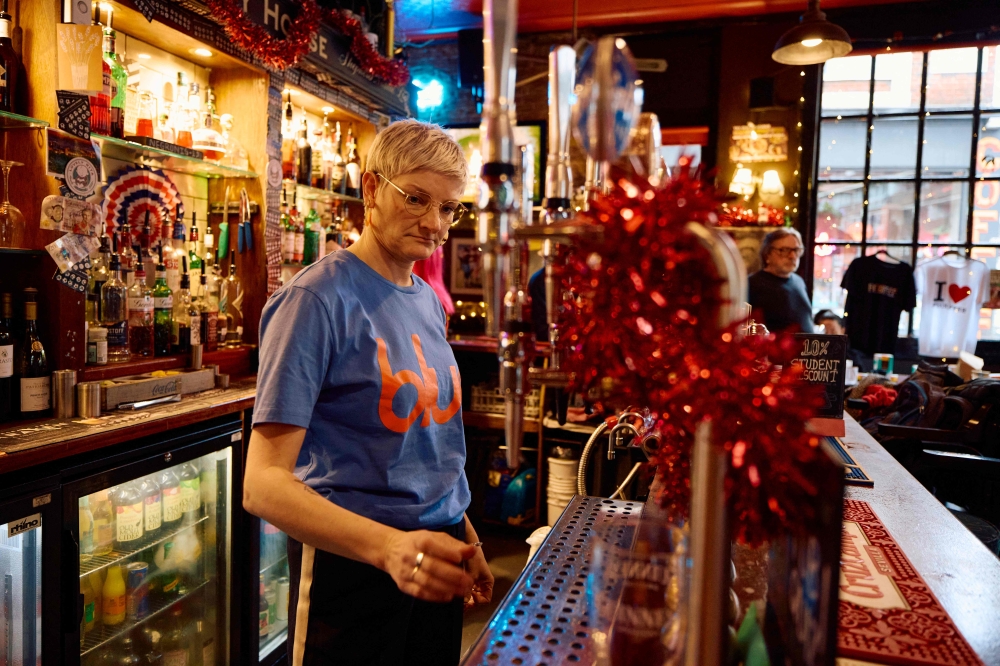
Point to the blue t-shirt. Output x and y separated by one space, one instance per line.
364 365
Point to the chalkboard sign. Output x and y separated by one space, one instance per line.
823 359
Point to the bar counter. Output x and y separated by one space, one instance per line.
543 618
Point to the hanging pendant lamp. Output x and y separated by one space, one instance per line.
813 41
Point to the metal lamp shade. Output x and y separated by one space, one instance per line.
799 46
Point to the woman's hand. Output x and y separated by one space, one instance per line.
482 580
440 576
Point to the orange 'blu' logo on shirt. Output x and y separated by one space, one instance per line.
426 384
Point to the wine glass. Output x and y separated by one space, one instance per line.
11 219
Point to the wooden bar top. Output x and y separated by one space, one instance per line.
37 442
962 573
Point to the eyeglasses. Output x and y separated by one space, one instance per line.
789 251
418 203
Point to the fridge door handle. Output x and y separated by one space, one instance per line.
72 613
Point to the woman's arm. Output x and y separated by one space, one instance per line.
272 492
479 569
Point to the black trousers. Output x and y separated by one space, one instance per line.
341 611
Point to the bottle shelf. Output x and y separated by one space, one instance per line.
129 151
103 635
316 194
14 121
117 556
23 252
276 636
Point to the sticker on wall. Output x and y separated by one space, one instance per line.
274 173
758 143
79 57
81 176
61 148
74 113
26 524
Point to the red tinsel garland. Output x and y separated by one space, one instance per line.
283 53
641 331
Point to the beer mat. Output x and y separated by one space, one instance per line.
74 113
887 613
855 475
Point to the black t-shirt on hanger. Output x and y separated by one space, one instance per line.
877 292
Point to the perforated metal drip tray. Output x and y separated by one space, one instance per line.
543 619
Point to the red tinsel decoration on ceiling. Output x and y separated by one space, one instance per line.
281 54
641 330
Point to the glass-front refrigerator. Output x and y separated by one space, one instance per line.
272 595
29 541
153 578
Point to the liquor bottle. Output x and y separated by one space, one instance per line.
353 165
300 234
6 359
101 102
287 232
114 311
326 156
127 255
163 309
103 523
127 655
32 366
152 507
303 156
170 490
148 261
127 503
9 63
119 84
234 304
222 328
180 336
114 597
190 479
195 250
236 155
99 274
207 138
288 140
338 170
316 168
174 644
173 253
208 307
140 316
86 530
179 117
310 244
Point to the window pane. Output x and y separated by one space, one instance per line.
989 95
842 149
988 148
831 261
986 212
947 146
890 211
944 209
897 82
838 211
894 148
905 254
951 78
846 85
989 320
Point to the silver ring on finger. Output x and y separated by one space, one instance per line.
420 560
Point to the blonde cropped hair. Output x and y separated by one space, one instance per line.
406 146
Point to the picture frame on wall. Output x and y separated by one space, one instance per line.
466 267
467 136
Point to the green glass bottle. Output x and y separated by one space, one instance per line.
310 245
163 310
119 85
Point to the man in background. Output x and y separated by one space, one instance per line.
833 324
777 294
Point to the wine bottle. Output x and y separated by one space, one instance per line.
33 368
6 360
9 63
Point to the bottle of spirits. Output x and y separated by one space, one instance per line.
180 338
140 316
163 310
179 117
207 138
310 247
127 255
353 165
338 168
126 500
114 311
6 359
316 168
303 156
209 309
101 102
195 250
236 155
119 84
148 261
10 65
287 232
32 366
174 644
99 274
234 305
298 247
288 140
173 253
326 156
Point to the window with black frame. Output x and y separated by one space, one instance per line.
908 164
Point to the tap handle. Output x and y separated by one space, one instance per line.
499 74
562 73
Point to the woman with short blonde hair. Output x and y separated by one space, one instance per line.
358 448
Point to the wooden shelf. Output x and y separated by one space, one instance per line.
487 345
13 121
316 194
493 421
234 360
136 153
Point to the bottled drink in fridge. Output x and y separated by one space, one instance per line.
174 644
97 585
263 627
170 488
152 506
190 483
103 523
114 597
127 655
86 530
6 360
89 607
33 368
128 505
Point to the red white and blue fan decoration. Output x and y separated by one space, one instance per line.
135 190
